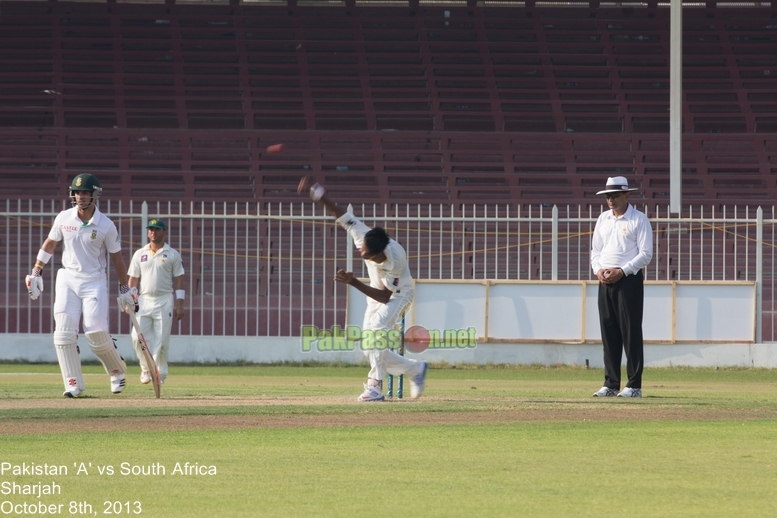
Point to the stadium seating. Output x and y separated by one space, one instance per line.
505 102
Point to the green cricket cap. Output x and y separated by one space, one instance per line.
157 223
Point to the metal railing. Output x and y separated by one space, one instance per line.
267 269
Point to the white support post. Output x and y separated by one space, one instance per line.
143 216
759 274
554 245
349 246
676 106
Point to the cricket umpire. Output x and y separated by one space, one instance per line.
622 246
90 238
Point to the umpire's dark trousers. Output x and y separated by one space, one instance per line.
620 318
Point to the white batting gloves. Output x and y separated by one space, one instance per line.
128 298
34 283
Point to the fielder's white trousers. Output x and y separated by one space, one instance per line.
76 294
386 316
156 321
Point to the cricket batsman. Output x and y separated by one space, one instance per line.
90 239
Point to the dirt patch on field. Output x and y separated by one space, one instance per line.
343 411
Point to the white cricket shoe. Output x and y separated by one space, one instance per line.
373 391
72 393
606 392
117 383
145 377
630 392
418 382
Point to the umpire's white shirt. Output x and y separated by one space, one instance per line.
85 243
392 273
156 270
624 242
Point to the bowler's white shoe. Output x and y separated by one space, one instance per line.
418 382
606 392
117 383
630 392
145 377
373 391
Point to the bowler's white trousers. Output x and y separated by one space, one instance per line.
385 317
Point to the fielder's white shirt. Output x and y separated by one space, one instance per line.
86 244
156 269
393 273
624 242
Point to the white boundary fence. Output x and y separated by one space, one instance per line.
265 270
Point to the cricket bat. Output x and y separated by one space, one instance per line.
152 368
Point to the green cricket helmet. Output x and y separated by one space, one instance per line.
85 182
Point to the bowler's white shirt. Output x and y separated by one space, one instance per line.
393 273
156 269
624 242
85 243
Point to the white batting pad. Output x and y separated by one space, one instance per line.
64 330
65 343
102 346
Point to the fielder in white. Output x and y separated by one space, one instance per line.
159 270
389 294
81 286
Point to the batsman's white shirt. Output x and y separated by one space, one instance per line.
81 285
86 244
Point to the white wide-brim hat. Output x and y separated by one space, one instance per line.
617 184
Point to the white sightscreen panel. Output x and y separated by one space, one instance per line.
656 319
545 311
449 306
357 305
436 306
592 331
535 311
715 312
657 316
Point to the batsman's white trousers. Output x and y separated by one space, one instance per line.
386 316
156 321
75 294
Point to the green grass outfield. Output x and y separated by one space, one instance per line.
292 441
